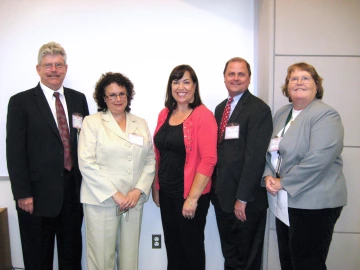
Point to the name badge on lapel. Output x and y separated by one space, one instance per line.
136 139
274 144
77 119
232 131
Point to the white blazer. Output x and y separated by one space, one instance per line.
110 162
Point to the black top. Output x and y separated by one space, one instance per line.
169 140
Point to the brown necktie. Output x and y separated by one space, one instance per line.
64 131
224 120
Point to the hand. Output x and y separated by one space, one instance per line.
26 204
155 196
273 185
133 197
239 210
189 208
120 200
278 186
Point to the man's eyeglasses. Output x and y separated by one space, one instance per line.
114 96
49 66
302 79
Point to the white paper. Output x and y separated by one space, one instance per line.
278 205
77 121
136 139
274 144
232 132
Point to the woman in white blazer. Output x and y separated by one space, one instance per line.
304 159
117 162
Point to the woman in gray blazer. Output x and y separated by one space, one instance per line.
304 160
117 162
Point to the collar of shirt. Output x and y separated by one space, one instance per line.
49 95
235 102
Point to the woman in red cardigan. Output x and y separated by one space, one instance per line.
185 149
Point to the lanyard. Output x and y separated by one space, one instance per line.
287 121
278 165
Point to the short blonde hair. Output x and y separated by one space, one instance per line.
52 48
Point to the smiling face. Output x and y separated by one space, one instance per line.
236 78
183 89
52 71
115 106
301 89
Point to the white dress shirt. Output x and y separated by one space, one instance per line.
49 95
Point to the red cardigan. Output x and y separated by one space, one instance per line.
200 136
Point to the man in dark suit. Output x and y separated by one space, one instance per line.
245 127
41 149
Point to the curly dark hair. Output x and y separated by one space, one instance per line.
176 74
107 79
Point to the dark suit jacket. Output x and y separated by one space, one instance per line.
34 150
241 161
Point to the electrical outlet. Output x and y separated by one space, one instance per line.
156 241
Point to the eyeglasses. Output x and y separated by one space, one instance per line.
303 79
114 96
49 66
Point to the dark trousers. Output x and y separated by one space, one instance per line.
184 238
305 244
241 242
38 234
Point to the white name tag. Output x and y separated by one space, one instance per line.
136 139
77 119
274 144
232 131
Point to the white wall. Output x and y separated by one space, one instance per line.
144 40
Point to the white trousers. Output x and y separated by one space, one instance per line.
111 238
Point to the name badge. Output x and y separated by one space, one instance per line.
232 131
119 211
136 139
77 119
274 144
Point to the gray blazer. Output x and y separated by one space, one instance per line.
311 170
